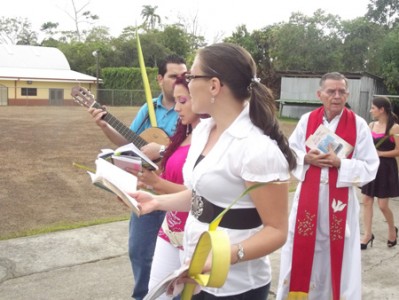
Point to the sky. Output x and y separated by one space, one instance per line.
215 19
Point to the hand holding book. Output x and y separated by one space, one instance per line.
323 138
115 171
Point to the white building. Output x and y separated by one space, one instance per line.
32 75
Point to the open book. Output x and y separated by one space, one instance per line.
323 137
129 156
163 286
117 181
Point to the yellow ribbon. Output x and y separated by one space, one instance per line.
147 90
83 167
297 296
384 138
218 242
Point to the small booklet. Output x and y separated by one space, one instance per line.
127 162
323 137
126 152
117 181
163 286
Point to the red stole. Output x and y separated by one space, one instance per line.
306 220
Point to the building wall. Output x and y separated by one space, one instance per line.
15 96
369 88
360 89
294 88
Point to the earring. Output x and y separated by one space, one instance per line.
213 100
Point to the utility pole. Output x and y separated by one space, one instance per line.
96 54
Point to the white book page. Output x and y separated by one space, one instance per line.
123 180
163 285
132 147
116 180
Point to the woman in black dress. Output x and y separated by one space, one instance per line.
385 131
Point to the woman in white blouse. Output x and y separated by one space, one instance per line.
239 146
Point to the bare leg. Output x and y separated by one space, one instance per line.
367 218
383 203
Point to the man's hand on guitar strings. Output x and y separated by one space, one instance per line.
98 115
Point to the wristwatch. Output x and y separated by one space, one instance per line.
162 150
240 253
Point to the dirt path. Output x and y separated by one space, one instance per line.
39 187
38 184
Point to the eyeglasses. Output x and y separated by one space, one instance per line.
333 92
190 77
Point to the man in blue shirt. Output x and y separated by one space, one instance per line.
143 231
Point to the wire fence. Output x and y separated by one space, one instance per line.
123 97
57 97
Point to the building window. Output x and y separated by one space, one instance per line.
28 91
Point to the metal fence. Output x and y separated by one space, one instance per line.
123 97
107 97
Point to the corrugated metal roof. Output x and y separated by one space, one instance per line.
20 62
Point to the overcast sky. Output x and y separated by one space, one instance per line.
216 18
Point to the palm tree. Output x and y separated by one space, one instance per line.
150 17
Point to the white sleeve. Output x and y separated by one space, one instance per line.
362 167
297 144
263 161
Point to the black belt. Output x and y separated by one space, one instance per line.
240 218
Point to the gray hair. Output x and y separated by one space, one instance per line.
333 76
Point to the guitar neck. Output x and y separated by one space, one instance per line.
125 131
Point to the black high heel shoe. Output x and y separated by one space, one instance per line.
370 241
393 243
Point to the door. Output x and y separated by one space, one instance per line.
3 95
56 96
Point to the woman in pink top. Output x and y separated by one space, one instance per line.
385 131
168 254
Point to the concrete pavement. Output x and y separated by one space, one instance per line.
92 263
86 263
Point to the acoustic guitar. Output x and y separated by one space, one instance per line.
153 134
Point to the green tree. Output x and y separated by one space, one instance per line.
79 56
151 44
17 31
258 44
99 33
125 48
241 36
191 27
176 40
307 43
50 29
150 17
390 58
266 69
80 16
153 49
362 43
383 12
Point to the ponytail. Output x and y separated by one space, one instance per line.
262 112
